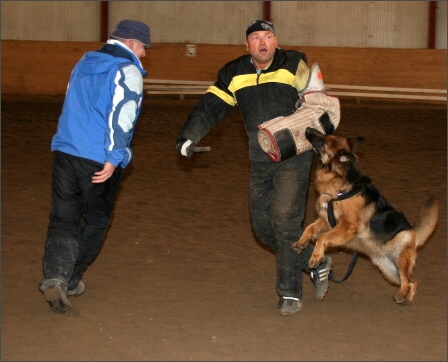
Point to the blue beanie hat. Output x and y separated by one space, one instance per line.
132 29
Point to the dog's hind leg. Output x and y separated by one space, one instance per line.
389 269
408 286
396 262
397 276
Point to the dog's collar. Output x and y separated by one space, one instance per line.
339 194
344 194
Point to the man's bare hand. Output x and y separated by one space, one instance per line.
104 174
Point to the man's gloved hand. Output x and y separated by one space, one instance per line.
185 147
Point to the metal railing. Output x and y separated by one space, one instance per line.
184 87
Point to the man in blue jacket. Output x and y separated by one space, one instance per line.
266 83
91 147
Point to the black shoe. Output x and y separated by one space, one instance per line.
289 305
56 296
79 290
320 277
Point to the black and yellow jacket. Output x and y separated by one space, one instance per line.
260 97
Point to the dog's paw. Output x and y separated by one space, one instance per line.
400 300
298 247
405 295
315 261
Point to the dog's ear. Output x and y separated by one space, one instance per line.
354 142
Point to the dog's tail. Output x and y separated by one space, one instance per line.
427 221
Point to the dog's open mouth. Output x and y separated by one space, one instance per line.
317 141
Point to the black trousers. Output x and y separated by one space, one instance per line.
79 217
277 197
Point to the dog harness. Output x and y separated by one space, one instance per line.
332 222
340 196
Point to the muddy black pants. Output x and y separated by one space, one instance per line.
79 217
277 197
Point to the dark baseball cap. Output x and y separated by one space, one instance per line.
132 29
259 25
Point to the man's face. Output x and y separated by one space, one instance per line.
261 45
138 48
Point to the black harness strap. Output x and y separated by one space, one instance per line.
332 222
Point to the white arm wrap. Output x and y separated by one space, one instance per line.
183 150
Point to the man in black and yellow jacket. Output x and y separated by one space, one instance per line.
266 83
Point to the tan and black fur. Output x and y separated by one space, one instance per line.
365 222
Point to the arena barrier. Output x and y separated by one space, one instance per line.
185 87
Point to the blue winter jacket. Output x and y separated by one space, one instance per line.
102 104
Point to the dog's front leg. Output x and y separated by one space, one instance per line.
311 232
339 236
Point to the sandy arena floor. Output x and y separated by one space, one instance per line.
181 277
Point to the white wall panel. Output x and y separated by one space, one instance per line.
441 25
206 22
382 24
51 20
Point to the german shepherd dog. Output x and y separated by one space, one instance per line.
363 219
